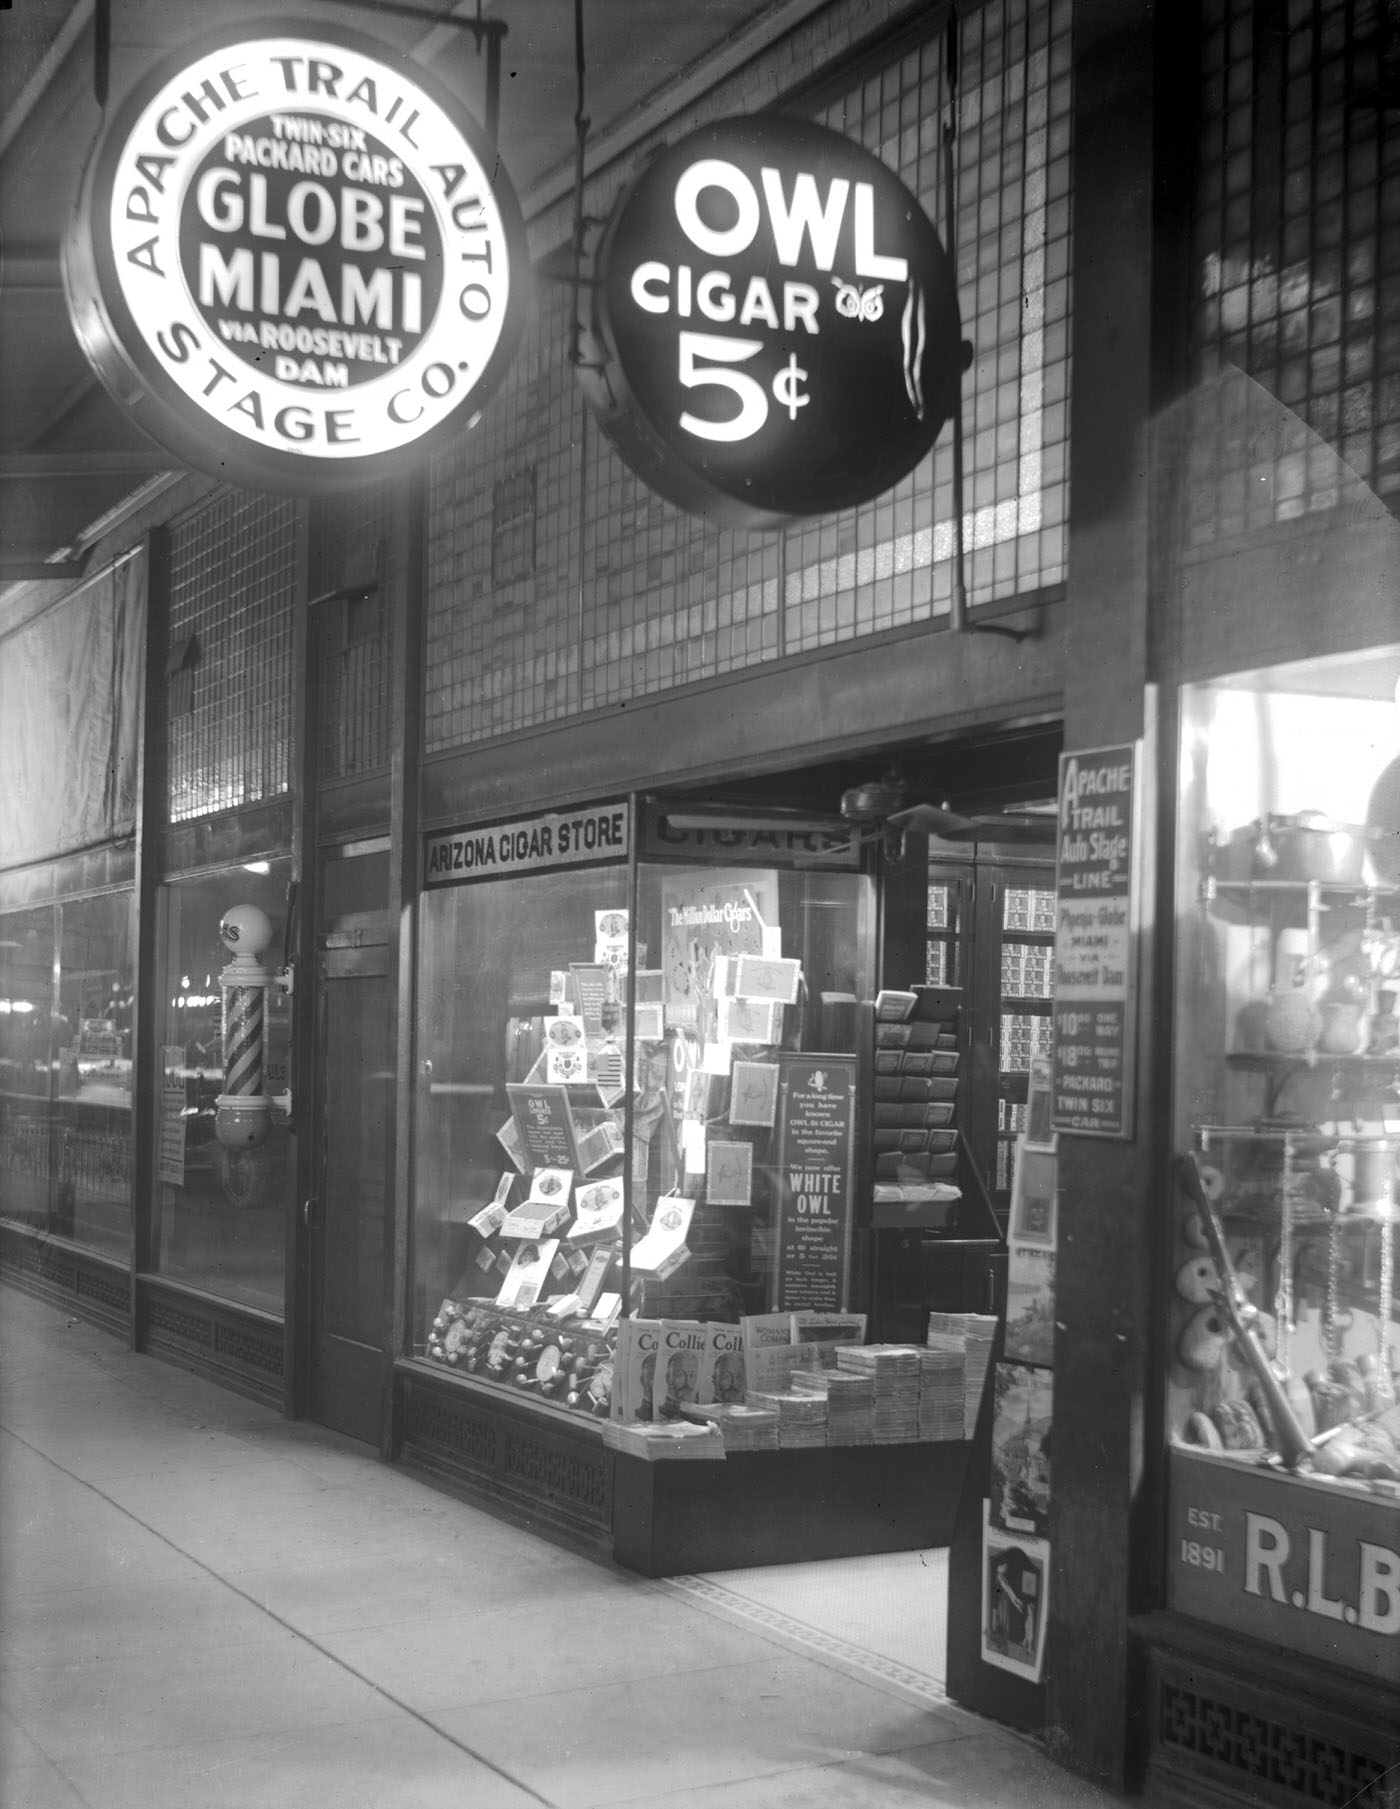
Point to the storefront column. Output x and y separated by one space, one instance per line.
1108 1194
150 818
405 808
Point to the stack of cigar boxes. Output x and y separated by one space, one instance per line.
916 1083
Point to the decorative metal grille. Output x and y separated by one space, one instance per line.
1296 263
582 1480
233 587
354 633
248 1348
1309 1766
513 527
629 596
439 1425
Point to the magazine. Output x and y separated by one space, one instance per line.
1030 1305
826 1330
769 1352
680 1346
634 1369
1018 1488
722 1376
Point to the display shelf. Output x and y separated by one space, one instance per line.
1272 1061
785 1507
1286 903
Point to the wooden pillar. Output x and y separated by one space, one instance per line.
1105 1310
151 812
410 534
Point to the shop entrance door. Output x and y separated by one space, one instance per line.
348 1217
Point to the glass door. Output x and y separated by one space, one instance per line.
990 931
347 1220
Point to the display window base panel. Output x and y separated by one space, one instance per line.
547 1471
67 1275
1231 1722
234 1346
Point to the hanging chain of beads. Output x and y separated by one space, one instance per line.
1283 1298
1331 1334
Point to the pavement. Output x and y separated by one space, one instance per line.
206 1606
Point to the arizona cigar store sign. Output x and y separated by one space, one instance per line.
777 322
295 259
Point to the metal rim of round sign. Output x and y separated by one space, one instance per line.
293 263
775 321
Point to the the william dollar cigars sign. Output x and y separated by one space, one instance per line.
295 258
776 324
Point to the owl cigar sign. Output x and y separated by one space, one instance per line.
295 259
774 322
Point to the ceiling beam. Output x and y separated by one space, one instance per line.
19 571
32 92
21 465
32 269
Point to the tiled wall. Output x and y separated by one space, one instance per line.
1295 323
627 596
229 694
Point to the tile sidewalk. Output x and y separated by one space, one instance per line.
203 1606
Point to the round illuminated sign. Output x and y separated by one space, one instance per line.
295 259
777 323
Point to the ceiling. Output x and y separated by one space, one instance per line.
68 456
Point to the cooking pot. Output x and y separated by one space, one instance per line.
1383 825
1306 846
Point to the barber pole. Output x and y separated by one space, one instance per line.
243 1114
243 1037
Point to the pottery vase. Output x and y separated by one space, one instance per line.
1340 1032
1291 1021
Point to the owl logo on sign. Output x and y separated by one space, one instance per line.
853 303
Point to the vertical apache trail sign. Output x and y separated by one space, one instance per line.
1096 930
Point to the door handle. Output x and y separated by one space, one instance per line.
308 1213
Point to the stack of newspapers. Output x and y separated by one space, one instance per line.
742 1428
801 1417
941 1391
680 1438
974 1331
850 1403
895 1370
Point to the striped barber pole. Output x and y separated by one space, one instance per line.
243 1039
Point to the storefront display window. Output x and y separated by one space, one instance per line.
564 1184
1285 1514
220 1213
66 991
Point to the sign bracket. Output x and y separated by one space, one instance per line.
489 32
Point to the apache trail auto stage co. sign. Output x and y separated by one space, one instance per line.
776 323
295 259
